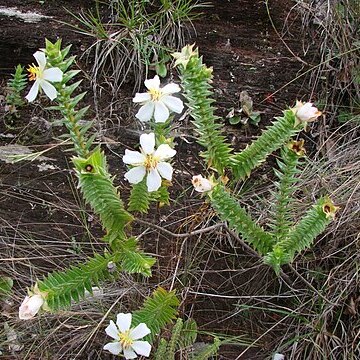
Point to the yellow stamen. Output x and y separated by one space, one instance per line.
155 94
150 162
34 72
125 340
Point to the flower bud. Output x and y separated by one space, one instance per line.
305 112
30 306
201 184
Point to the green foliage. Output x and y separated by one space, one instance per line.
235 116
280 245
196 80
60 288
98 190
132 260
139 197
302 235
175 336
157 311
161 350
67 103
161 196
270 140
63 287
15 86
188 334
6 285
183 337
229 209
208 351
285 186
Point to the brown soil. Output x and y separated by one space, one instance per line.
238 40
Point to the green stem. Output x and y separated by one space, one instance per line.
71 124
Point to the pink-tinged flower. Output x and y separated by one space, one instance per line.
127 338
158 102
201 184
305 112
30 306
43 78
149 162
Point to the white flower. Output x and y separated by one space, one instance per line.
185 55
30 306
42 78
305 112
126 338
201 184
158 102
149 162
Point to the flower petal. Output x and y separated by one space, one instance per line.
30 306
123 321
153 83
129 354
153 180
31 96
161 112
139 331
133 157
165 170
49 89
170 89
135 175
40 59
142 348
164 151
114 347
53 74
112 330
141 97
146 112
147 143
308 112
201 184
173 103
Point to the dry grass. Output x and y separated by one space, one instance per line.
334 28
